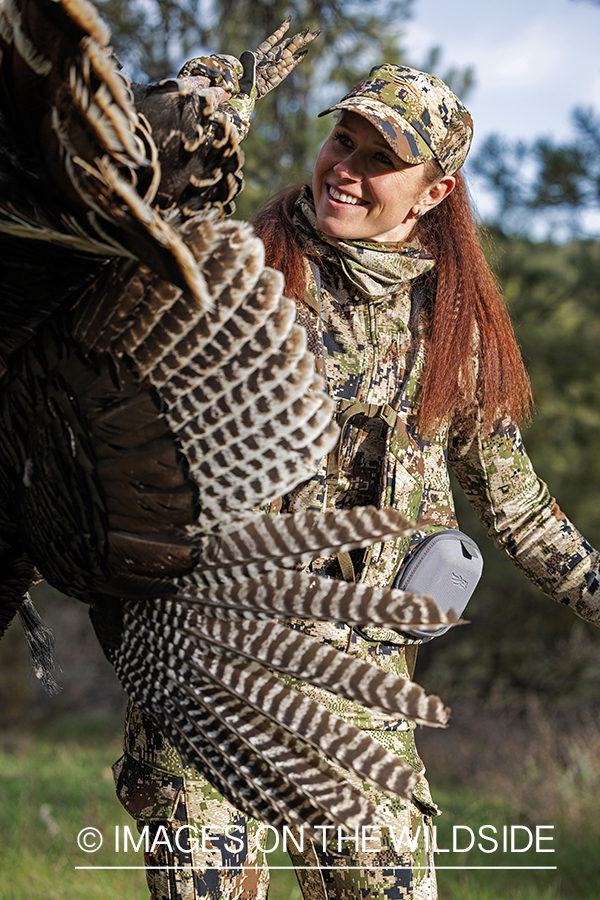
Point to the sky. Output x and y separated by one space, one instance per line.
534 61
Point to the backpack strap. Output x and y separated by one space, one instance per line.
346 410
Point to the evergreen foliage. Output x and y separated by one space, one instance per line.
544 183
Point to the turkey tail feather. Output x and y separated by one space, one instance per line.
273 720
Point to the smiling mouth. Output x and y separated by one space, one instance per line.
340 197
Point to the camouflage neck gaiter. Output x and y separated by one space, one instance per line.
375 269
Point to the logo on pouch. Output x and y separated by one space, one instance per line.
459 581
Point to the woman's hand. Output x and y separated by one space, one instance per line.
241 82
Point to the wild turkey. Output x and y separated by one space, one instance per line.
156 392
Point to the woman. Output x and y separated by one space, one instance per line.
410 331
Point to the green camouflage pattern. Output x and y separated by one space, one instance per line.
374 270
254 75
393 865
523 519
226 72
160 792
418 115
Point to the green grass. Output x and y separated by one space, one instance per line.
56 780
577 873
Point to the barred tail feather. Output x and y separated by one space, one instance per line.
302 595
261 727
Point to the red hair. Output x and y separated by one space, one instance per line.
273 223
472 353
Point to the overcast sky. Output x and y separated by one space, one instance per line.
534 60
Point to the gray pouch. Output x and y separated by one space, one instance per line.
446 566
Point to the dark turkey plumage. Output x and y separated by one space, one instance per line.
156 392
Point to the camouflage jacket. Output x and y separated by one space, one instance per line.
366 347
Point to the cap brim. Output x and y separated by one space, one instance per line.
404 140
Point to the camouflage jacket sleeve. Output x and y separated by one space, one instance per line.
521 517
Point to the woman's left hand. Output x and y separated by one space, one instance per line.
245 80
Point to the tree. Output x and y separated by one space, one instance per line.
545 179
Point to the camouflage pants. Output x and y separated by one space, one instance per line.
200 847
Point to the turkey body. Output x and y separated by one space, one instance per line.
156 392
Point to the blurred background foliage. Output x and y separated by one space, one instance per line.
543 182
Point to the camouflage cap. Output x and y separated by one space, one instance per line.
418 115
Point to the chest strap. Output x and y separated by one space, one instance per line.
347 409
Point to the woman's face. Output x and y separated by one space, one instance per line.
362 190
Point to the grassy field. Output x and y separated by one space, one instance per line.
55 780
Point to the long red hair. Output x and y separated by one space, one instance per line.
472 353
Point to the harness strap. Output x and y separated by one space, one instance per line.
410 656
347 409
346 565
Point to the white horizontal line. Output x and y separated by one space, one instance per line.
335 868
